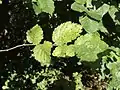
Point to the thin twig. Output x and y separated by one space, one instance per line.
23 45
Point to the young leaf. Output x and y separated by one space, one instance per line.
66 32
64 51
35 35
43 6
89 25
42 53
88 46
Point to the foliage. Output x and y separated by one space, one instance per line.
43 6
90 42
77 76
66 32
42 53
41 79
35 35
87 44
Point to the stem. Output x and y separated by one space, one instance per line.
23 45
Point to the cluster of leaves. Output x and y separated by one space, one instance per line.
69 41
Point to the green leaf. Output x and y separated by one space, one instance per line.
66 32
42 53
43 6
35 35
89 25
78 7
64 51
94 14
103 10
88 46
99 13
112 12
80 1
102 28
115 71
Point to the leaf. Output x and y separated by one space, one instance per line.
35 35
66 32
102 28
77 7
99 13
80 1
89 25
112 12
64 51
103 9
88 46
43 6
115 71
94 14
42 53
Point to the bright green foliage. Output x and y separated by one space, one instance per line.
35 35
89 25
77 7
93 13
112 12
99 13
112 61
49 77
42 53
64 51
88 46
66 32
77 79
115 71
41 79
81 1
103 10
43 6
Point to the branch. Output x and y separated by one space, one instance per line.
23 45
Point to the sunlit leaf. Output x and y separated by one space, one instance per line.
77 7
89 25
88 46
42 53
43 6
80 1
64 51
66 32
35 35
